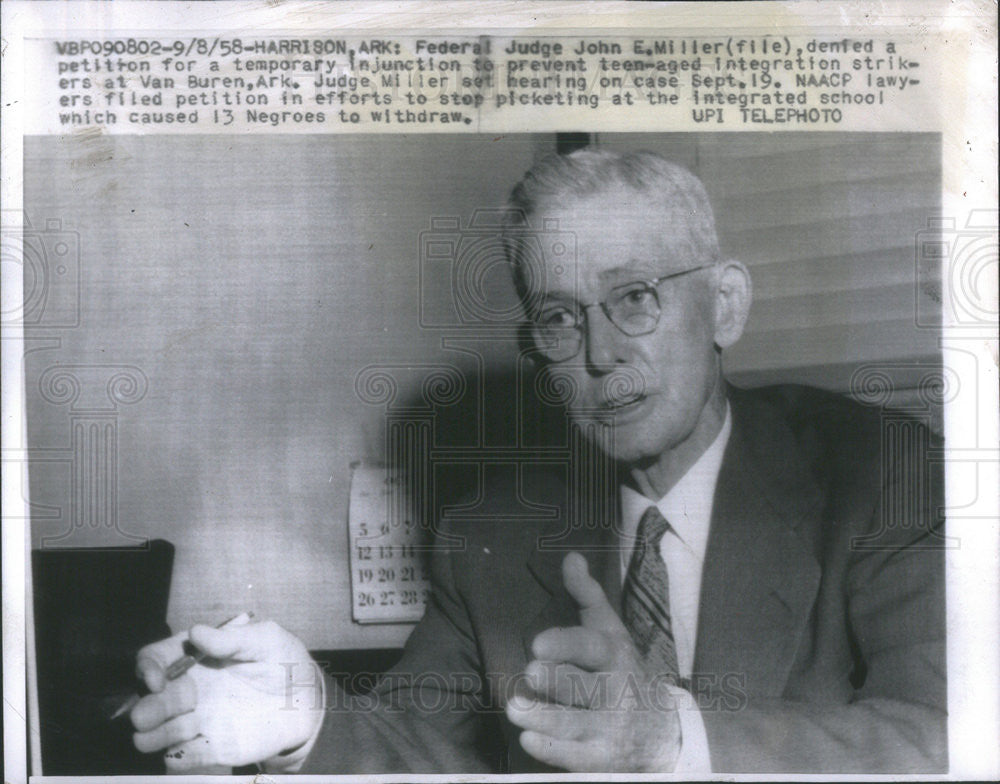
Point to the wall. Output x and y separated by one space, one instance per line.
245 281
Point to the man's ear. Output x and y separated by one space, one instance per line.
732 302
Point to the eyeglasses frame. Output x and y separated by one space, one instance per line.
653 283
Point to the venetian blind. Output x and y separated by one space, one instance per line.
829 226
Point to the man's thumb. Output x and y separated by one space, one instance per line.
242 643
595 610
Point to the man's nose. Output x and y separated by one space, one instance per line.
606 345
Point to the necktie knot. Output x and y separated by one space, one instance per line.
652 527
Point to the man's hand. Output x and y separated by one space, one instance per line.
258 694
591 704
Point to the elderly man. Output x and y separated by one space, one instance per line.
746 607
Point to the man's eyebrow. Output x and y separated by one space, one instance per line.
634 270
558 297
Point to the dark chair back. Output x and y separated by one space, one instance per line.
94 609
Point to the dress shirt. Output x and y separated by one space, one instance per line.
688 509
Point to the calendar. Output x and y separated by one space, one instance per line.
389 575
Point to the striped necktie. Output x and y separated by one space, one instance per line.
646 597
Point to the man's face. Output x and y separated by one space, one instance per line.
622 236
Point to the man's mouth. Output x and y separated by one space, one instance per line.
622 405
623 391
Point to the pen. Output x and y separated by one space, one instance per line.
178 667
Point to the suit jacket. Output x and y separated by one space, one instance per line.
821 632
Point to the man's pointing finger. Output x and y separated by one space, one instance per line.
596 612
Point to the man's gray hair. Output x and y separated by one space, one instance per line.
556 179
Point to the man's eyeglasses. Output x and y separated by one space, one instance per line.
634 308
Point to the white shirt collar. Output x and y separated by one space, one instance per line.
688 504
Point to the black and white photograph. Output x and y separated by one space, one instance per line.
441 451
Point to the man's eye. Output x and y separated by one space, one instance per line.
557 318
637 297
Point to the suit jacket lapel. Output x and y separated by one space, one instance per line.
760 577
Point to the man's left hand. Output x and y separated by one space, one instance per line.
590 703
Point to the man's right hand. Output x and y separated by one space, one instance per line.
256 698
